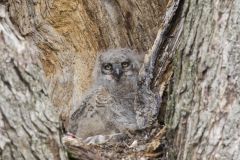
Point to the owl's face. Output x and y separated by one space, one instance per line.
118 66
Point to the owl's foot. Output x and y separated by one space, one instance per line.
100 139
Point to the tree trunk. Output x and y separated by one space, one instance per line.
206 84
29 127
193 66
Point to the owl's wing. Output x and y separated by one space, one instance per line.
91 111
76 115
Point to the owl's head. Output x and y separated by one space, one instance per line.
117 66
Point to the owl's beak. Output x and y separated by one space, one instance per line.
117 73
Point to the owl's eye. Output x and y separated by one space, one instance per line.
108 66
125 64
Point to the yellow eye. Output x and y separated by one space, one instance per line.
125 64
108 66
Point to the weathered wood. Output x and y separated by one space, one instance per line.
156 73
156 54
79 150
29 127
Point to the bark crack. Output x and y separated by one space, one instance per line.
21 77
5 82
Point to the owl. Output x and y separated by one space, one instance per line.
108 107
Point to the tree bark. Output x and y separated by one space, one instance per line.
205 88
29 125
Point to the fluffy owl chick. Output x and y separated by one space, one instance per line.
108 107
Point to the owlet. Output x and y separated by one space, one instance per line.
108 107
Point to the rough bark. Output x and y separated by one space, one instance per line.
29 127
206 82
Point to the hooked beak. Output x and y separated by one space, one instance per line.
117 73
